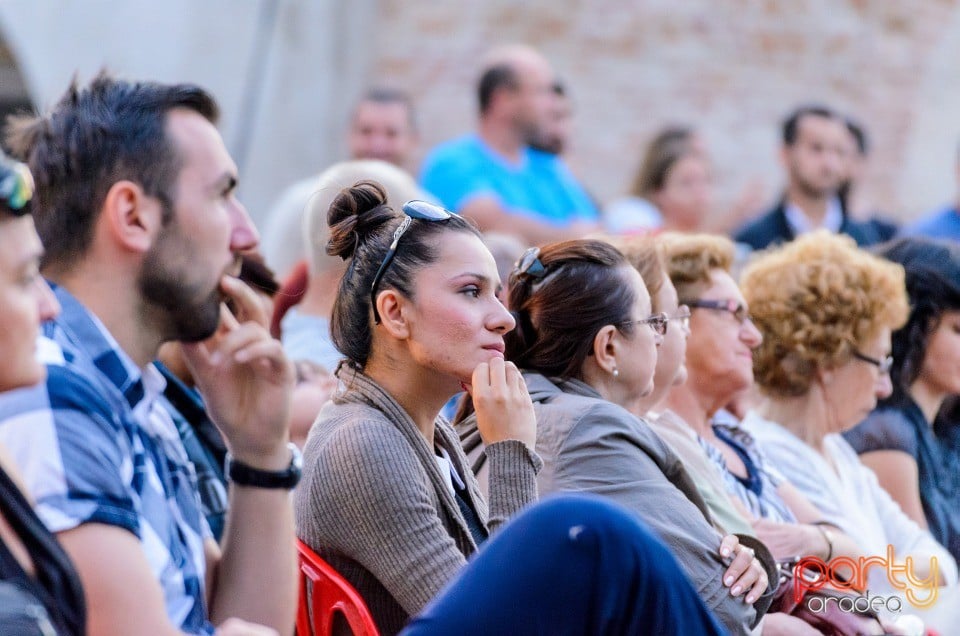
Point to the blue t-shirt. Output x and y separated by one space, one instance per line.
944 224
540 186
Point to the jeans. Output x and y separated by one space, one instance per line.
572 564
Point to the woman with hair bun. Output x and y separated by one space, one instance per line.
387 497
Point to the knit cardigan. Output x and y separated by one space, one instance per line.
374 504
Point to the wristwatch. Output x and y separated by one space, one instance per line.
244 475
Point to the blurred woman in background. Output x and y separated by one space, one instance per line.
672 190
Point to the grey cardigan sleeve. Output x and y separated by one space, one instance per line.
512 480
371 500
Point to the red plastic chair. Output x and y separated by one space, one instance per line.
324 594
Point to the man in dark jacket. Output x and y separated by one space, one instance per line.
813 155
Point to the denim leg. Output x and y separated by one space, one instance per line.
572 564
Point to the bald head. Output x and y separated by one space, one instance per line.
515 88
518 56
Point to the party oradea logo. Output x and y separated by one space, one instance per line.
850 575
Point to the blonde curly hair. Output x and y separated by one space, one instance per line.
690 258
815 300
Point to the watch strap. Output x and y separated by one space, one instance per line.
246 475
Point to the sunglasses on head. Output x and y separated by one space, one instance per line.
16 186
421 210
529 264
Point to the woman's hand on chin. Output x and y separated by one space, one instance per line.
503 406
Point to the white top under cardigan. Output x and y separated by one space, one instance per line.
851 498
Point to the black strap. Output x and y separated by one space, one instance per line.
56 585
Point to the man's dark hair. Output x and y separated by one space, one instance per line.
493 79
792 123
859 135
389 95
96 135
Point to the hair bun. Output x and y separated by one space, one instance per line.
354 214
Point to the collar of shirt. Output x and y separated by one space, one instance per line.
446 469
800 223
139 386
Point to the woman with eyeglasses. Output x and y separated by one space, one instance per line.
40 591
387 497
914 452
719 363
645 255
586 340
728 512
826 310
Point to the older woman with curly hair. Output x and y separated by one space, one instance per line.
719 363
826 310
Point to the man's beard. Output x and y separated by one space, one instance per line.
531 132
181 309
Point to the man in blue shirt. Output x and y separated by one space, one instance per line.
493 175
942 224
136 206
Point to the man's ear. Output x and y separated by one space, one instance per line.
132 218
605 348
392 308
784 156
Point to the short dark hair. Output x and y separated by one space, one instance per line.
933 284
361 230
498 76
792 123
96 135
583 288
859 135
389 95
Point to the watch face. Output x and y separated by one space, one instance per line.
296 459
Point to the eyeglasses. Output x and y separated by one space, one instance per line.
421 210
738 309
657 322
682 315
883 366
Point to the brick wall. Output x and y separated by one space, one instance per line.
731 67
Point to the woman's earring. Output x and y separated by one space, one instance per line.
615 372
